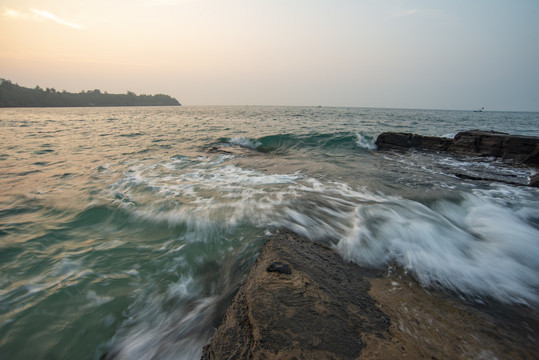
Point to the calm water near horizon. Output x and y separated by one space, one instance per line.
121 232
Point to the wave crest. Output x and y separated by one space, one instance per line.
284 142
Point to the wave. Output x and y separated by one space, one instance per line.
366 142
480 244
471 244
284 142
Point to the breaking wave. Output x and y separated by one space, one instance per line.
482 244
284 142
467 243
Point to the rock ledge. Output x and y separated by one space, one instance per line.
300 300
516 148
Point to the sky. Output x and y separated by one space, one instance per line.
366 53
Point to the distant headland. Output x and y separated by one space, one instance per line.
13 95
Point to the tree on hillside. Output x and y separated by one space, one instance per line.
13 95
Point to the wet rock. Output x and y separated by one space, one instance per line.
327 308
216 150
279 267
432 325
321 310
516 148
489 179
534 180
403 141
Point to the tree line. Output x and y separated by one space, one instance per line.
13 95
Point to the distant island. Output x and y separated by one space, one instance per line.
13 95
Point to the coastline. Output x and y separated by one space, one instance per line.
15 96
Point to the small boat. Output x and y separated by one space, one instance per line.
479 110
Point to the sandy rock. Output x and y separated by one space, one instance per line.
301 300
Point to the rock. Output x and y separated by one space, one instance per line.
432 325
327 308
481 178
534 180
403 141
516 148
279 267
216 150
321 310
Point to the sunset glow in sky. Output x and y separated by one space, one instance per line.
410 54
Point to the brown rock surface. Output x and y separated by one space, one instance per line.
321 310
302 301
429 325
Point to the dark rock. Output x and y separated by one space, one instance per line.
216 150
322 310
478 143
481 178
534 180
279 267
403 141
431 142
393 140
516 148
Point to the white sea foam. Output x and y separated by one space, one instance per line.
480 245
365 143
245 142
177 337
477 248
203 197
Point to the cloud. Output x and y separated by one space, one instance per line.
47 15
16 14
38 15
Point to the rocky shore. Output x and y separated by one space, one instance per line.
515 148
301 300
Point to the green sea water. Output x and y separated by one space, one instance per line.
122 233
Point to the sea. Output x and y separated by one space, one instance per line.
127 231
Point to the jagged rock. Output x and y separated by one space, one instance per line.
320 310
516 148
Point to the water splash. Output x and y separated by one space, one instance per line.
365 143
467 243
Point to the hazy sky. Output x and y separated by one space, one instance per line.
412 54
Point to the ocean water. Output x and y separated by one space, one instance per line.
121 232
